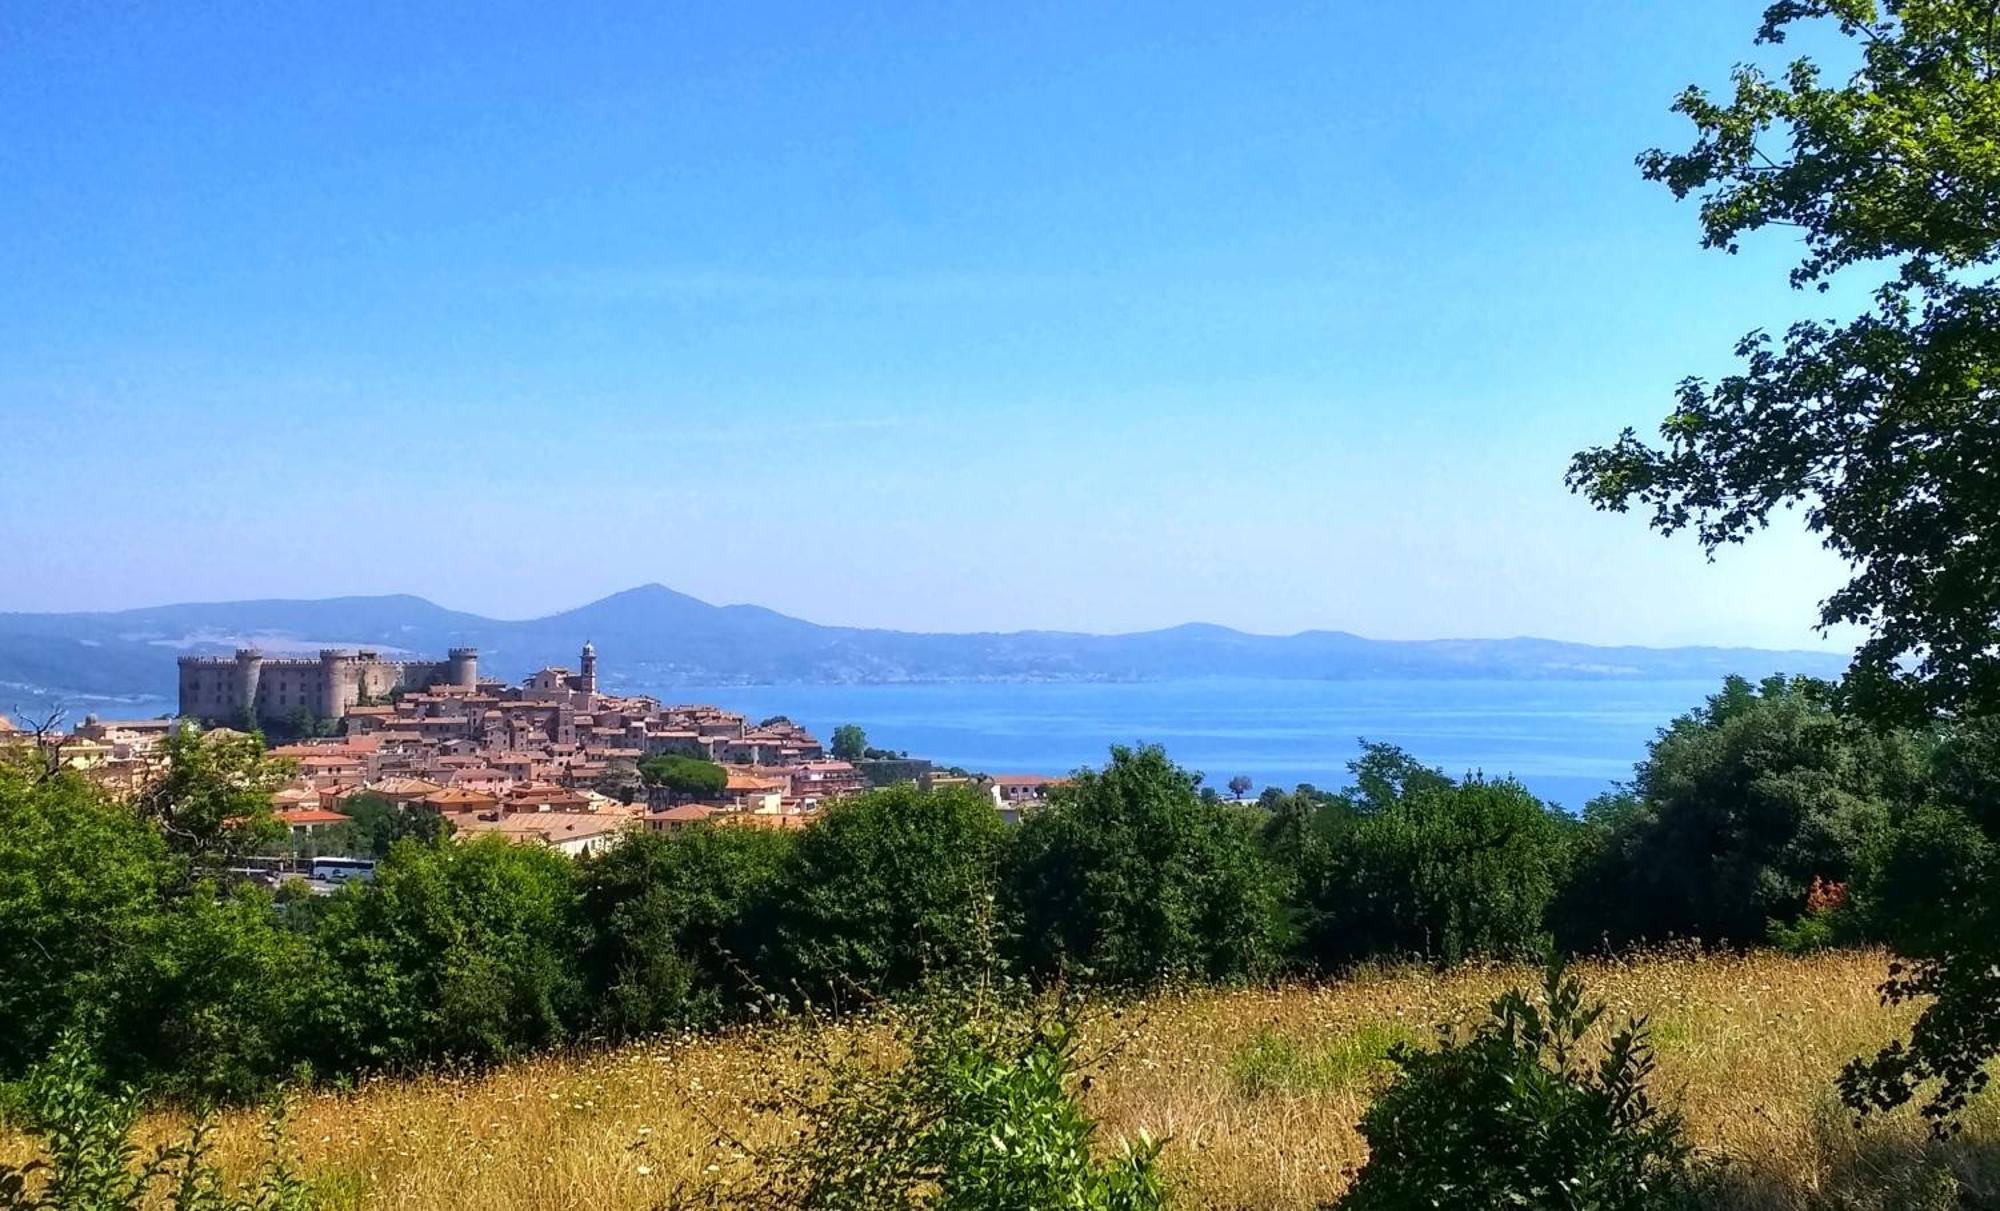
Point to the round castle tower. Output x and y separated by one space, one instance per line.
462 667
340 683
249 672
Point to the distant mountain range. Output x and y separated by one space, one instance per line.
654 636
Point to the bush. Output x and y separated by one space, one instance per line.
211 1008
1127 877
877 893
674 917
981 1115
1516 1116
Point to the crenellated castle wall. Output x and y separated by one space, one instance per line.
219 689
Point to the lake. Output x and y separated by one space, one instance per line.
1567 740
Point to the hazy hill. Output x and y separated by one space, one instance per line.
654 635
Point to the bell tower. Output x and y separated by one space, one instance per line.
588 681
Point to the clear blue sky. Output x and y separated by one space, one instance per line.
989 316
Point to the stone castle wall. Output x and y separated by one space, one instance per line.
218 689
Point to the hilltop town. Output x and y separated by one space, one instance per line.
550 761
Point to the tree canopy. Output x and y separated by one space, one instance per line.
1883 429
850 743
1739 807
1130 876
684 777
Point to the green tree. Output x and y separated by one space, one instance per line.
884 888
1738 807
1931 886
1240 785
1410 862
675 919
81 880
212 1006
850 743
1129 877
377 823
463 951
1882 427
684 777
212 803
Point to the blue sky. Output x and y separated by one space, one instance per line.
947 317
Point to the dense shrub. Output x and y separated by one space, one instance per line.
1410 862
455 951
882 890
674 919
1128 877
1517 1115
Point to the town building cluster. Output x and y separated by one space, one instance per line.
551 761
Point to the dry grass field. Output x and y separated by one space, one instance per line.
1258 1092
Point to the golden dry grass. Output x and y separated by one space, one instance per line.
1258 1092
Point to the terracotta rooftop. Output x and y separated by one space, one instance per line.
310 815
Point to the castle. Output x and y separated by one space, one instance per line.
222 689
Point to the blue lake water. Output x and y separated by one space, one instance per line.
1567 740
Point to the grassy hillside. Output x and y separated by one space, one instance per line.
1258 1091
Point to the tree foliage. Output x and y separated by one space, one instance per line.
1128 876
1931 886
1884 427
675 923
212 802
850 743
1739 806
454 952
375 823
1411 862
684 777
81 880
883 889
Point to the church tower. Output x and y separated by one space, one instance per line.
589 679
